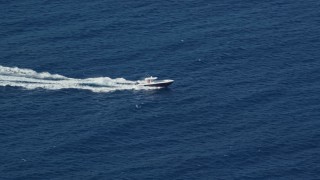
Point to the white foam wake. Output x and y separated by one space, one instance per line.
29 79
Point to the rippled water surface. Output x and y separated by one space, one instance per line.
244 104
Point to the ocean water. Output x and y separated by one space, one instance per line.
245 103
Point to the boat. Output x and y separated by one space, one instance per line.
153 82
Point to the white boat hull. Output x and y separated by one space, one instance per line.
163 83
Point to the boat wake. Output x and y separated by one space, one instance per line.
29 79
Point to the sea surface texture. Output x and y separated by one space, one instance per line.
245 103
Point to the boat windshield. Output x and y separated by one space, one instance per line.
150 79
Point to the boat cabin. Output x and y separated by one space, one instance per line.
150 80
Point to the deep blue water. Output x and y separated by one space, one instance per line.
245 103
